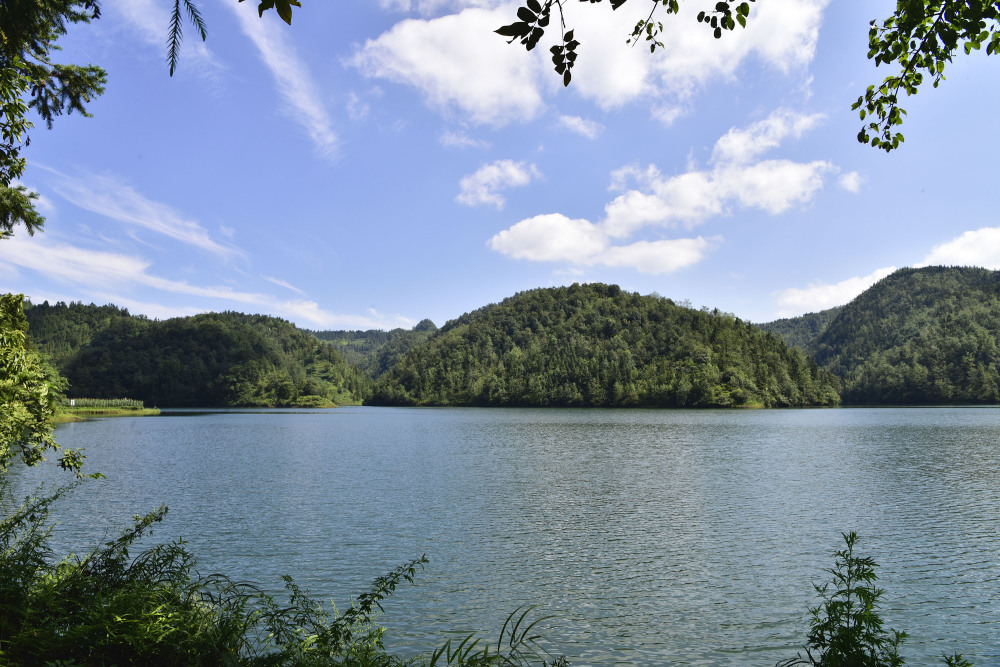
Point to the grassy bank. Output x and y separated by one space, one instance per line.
75 409
72 414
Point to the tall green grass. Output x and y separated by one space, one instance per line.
116 403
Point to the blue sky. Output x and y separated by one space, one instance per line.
385 161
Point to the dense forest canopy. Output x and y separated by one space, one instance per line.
596 345
214 359
928 335
376 351
918 336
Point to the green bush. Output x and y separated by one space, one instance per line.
846 629
108 608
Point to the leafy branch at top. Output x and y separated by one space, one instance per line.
922 36
534 17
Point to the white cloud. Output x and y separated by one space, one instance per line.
290 74
649 198
657 257
816 297
585 128
688 198
555 238
973 248
780 33
851 181
773 185
551 238
456 63
150 19
483 187
692 197
108 196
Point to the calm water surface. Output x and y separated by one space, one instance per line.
652 537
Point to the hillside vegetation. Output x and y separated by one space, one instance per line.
802 331
214 359
596 345
918 336
376 351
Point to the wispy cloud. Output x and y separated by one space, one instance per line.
741 145
115 199
115 278
484 186
290 74
585 128
452 139
282 283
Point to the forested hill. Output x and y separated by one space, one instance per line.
376 351
918 336
215 359
596 345
802 331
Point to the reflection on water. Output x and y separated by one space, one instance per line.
653 537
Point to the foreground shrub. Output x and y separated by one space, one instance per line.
847 630
108 608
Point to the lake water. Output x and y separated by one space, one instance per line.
651 537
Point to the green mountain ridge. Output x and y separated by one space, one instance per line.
597 345
213 359
925 336
919 336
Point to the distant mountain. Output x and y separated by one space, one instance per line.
803 330
376 351
214 359
918 336
596 345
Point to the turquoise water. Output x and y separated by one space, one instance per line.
651 537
